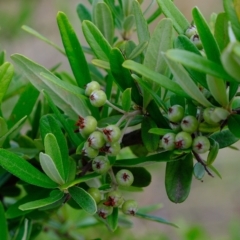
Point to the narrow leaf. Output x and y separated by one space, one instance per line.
138 50
112 220
3 223
101 63
126 99
180 23
24 170
234 125
24 230
73 50
178 178
83 13
6 74
160 131
55 196
83 199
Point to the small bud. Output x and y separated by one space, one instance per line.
124 178
191 31
90 87
100 164
89 152
96 140
114 199
86 125
112 133
98 98
189 124
95 193
183 140
175 113
168 141
104 211
200 144
130 207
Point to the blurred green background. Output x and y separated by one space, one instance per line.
212 210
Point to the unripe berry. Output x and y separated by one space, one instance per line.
92 86
130 207
114 199
111 149
191 31
175 113
183 140
98 98
189 124
196 40
168 141
96 140
95 193
112 133
124 178
208 116
104 211
200 144
86 125
89 152
100 164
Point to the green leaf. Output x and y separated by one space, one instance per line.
55 196
73 103
73 50
142 178
101 63
150 141
83 13
221 31
50 168
112 220
199 171
123 76
24 170
154 15
3 130
83 199
41 37
160 157
3 223
213 152
104 21
138 50
232 16
141 23
73 137
178 178
217 88
234 124
199 64
209 43
156 77
6 74
128 23
150 208
154 218
96 40
24 230
126 99
225 137
160 131
215 171
180 23
160 41
186 83
24 105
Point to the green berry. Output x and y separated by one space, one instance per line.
209 117
114 199
98 98
96 140
200 144
168 141
175 113
89 152
191 31
196 40
130 207
112 133
189 124
95 193
124 178
104 211
92 86
183 140
86 125
100 164
111 149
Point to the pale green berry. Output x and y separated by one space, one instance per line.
191 31
183 140
200 144
86 125
95 193
175 113
100 164
130 207
114 199
189 124
96 140
208 116
196 40
104 211
112 133
111 149
124 178
89 152
168 141
98 98
92 86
